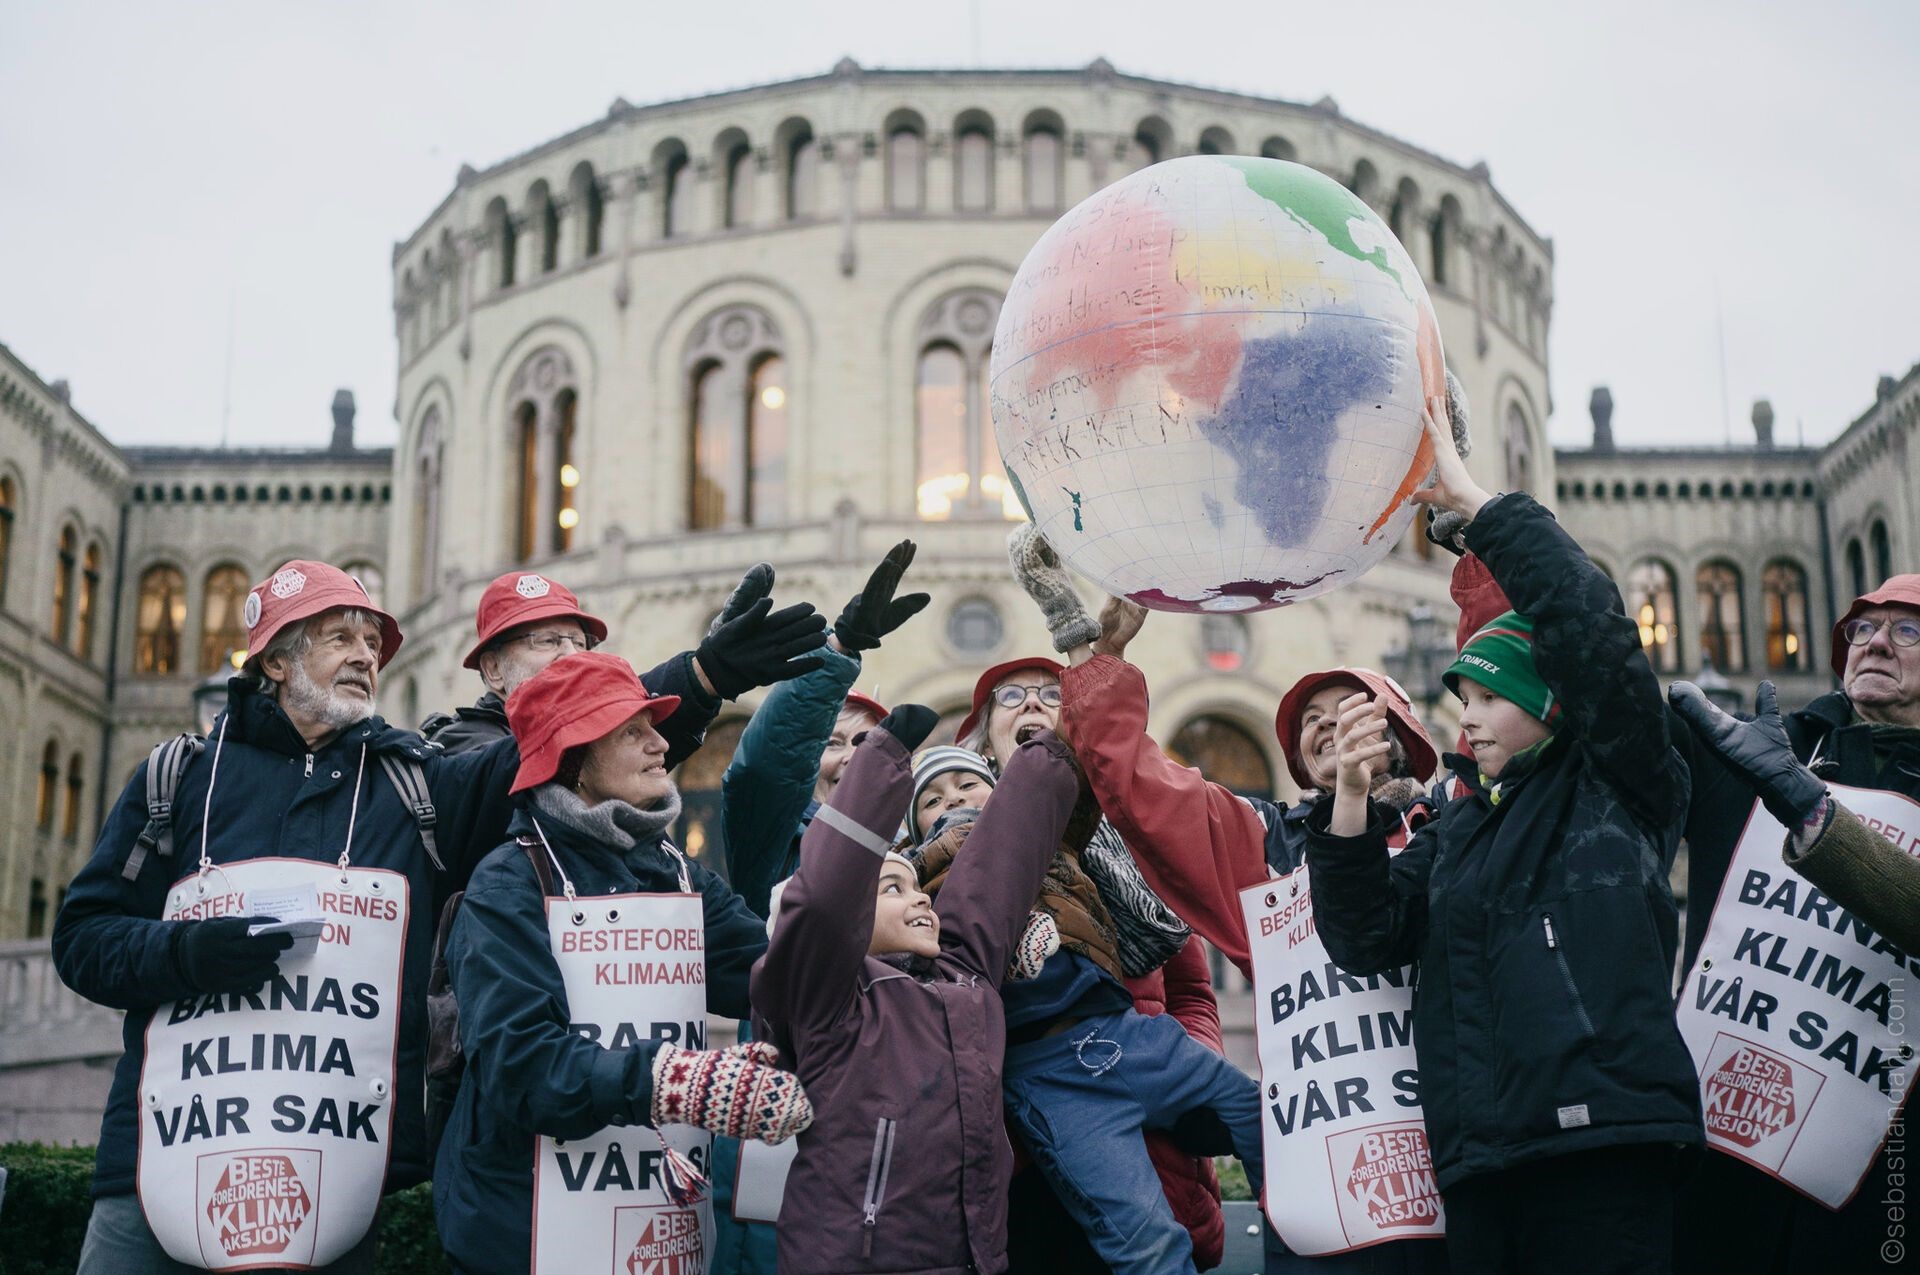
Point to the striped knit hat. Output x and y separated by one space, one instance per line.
930 763
1500 658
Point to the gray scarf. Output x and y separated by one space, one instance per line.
612 823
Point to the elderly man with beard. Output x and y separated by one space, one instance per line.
248 1060
1731 1216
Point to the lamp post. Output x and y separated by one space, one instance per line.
1417 666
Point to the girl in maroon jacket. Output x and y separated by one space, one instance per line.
889 1008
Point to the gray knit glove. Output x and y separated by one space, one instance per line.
1444 526
1037 567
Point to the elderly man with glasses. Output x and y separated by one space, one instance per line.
1866 735
525 622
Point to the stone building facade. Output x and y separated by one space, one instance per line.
754 325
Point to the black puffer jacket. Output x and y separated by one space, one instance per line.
485 720
1543 923
1731 1216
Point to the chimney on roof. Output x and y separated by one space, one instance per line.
1884 390
62 391
342 421
1763 424
1600 407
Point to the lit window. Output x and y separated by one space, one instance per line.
1783 586
717 455
1225 754
1721 637
958 469
1650 601
527 440
63 570
223 628
700 832
767 442
739 408
566 479
86 614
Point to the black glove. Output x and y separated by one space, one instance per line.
1758 751
751 644
220 956
874 612
910 724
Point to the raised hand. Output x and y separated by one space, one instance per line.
1037 567
874 612
1360 744
1120 623
910 724
1453 487
1758 751
751 644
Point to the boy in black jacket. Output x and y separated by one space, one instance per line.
1554 1079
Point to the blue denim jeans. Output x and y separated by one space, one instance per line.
119 1242
1081 1100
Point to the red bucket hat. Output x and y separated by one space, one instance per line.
868 704
302 589
572 702
1422 756
522 597
1898 591
983 688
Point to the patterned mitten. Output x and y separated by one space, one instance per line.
1036 943
735 1091
1445 525
1037 567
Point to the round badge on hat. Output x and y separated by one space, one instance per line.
532 586
251 615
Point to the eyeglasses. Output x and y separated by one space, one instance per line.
554 641
1899 632
1016 696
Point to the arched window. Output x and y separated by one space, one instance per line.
545 395
1043 155
36 908
676 189
1365 182
1152 142
1882 552
700 833
1857 566
49 785
1401 213
958 471
545 217
589 205
526 437
70 811
1217 141
223 628
426 506
1783 589
1277 148
371 578
800 166
1650 601
1225 754
501 235
906 164
973 166
8 500
1440 245
767 442
736 158
1722 638
86 619
63 568
739 398
566 477
1519 450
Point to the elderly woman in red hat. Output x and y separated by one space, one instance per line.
587 954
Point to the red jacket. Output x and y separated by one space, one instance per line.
1183 987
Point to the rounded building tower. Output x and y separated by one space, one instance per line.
754 326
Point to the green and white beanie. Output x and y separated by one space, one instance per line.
1500 657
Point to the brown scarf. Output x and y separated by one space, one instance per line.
1067 894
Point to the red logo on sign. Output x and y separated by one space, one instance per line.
258 1205
1750 1096
669 1243
1392 1177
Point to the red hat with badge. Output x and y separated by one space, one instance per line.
302 589
983 689
524 597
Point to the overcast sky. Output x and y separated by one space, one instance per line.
171 173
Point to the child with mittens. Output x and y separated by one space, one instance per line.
1555 1081
889 1009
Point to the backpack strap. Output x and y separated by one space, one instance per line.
166 766
542 870
409 779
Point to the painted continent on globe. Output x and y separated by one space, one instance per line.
1207 384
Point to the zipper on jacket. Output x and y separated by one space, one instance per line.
876 1183
309 765
1566 974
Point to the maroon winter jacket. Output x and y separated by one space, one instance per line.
906 1165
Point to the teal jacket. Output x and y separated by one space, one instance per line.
766 804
